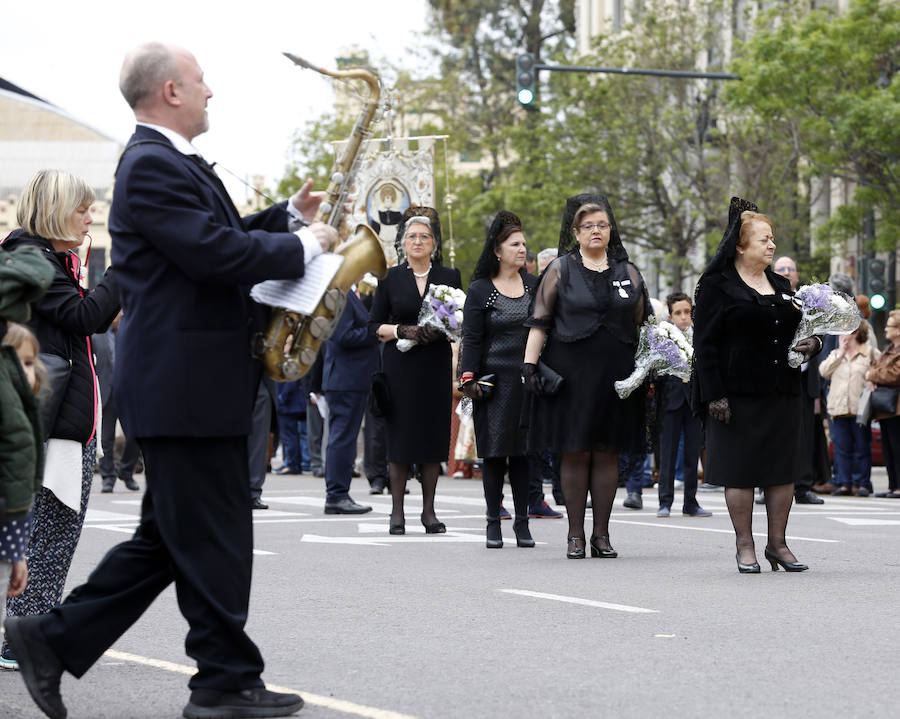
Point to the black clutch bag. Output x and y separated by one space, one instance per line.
884 402
551 380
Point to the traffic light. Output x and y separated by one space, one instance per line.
875 284
525 78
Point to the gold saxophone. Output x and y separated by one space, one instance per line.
290 345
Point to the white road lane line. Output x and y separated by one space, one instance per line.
865 522
338 705
665 525
583 602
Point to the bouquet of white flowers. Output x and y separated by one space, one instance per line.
661 347
441 309
824 311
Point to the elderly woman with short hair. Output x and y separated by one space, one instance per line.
588 307
419 381
747 393
54 215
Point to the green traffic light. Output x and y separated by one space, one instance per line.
877 302
525 96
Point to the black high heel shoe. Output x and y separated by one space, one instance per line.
787 566
434 527
575 548
397 528
746 568
523 534
606 552
494 536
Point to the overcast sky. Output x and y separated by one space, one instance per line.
70 54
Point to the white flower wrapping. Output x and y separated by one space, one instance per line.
824 310
441 309
661 347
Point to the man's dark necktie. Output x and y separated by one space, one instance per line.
217 181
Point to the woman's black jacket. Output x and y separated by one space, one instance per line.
63 321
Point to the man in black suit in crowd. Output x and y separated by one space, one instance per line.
351 356
104 346
185 384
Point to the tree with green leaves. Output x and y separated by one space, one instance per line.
826 83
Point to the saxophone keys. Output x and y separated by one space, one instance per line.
290 368
334 300
320 328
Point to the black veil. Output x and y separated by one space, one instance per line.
614 251
488 264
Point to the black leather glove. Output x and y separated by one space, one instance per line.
808 347
472 389
720 409
532 379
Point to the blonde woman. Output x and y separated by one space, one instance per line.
54 215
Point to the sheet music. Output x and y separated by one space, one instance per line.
300 295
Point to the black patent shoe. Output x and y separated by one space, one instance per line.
787 566
575 548
41 668
600 547
523 533
494 535
746 568
433 527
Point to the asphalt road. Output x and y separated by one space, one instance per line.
366 624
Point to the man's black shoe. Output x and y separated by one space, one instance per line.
40 667
259 702
131 484
808 497
257 503
107 487
633 501
377 486
346 506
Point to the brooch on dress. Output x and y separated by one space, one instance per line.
620 285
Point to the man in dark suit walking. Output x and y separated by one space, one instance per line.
351 356
104 346
185 384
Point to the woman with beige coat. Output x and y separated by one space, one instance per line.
846 367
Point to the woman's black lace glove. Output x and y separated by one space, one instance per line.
421 334
472 389
532 379
808 347
719 409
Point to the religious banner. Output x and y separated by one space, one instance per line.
392 175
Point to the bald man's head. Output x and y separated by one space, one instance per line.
786 267
144 70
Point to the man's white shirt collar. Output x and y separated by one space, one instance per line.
180 143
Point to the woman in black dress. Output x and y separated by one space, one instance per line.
419 381
589 305
498 303
744 322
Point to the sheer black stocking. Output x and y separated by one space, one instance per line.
574 472
740 509
399 473
604 483
430 473
493 469
778 506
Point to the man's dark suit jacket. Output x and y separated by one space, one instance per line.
184 261
351 355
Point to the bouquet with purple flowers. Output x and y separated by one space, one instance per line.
824 311
441 309
661 347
